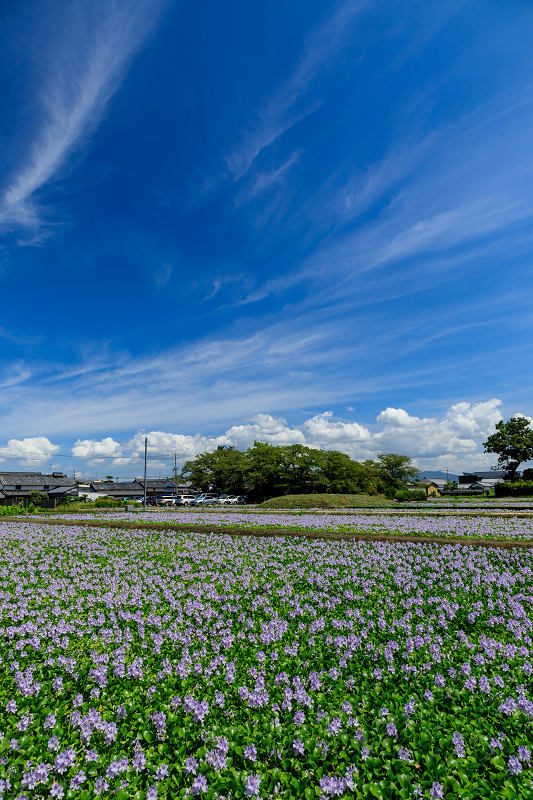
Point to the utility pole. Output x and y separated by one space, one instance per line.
175 474
145 453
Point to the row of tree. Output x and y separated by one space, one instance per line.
267 470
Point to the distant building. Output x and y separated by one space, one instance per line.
16 487
483 480
115 491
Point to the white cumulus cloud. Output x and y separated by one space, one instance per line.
30 452
91 448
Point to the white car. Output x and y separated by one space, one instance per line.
228 499
184 499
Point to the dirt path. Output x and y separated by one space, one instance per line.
504 544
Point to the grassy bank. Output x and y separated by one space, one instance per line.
327 501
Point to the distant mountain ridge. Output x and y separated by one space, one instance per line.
435 474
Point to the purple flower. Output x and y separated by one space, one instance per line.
121 713
508 707
161 772
57 685
384 712
250 752
404 754
57 790
524 755
151 794
298 747
299 718
64 760
199 786
409 708
100 785
77 781
78 701
253 783
436 791
160 723
332 786
514 766
391 729
117 766
428 695
365 753
53 743
459 745
439 681
11 707
139 760
191 765
335 726
50 721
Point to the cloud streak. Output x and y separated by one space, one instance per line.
82 69
279 112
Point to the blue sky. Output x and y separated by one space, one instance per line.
294 222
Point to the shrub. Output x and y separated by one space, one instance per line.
12 511
36 498
402 495
410 494
514 489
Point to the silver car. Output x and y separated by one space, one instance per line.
204 501
185 499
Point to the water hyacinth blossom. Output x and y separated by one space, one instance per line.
134 656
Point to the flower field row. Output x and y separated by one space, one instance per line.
142 664
451 526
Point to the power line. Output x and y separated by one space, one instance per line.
22 453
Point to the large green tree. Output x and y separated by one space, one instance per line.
284 469
394 471
512 442
342 475
223 470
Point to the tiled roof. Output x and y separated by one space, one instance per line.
34 479
117 487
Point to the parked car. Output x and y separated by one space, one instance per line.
185 499
204 501
224 499
167 500
160 500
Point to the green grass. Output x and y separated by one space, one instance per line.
327 501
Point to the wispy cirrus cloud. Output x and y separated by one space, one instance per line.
281 111
78 73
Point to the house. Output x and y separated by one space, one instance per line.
115 491
483 480
434 486
16 487
157 486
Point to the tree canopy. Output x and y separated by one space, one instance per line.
512 442
267 470
395 470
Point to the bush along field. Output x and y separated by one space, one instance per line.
142 664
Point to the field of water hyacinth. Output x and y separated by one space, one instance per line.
479 527
143 664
